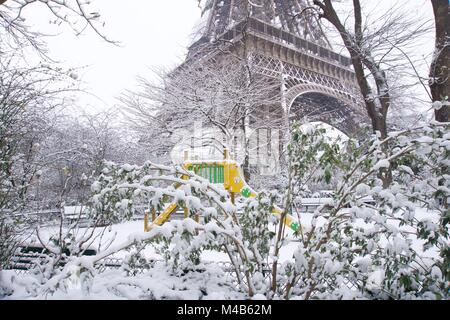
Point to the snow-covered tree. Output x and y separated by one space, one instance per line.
225 94
395 246
29 98
376 50
16 34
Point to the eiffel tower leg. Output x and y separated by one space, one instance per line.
286 131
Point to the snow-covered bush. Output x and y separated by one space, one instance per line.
245 238
120 188
382 242
368 242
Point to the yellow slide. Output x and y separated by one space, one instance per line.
165 215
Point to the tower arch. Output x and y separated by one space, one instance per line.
316 103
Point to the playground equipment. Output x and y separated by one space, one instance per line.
226 172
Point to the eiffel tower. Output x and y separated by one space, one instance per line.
284 41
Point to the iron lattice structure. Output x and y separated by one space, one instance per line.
289 15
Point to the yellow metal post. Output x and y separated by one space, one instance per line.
197 218
146 221
226 154
153 214
232 197
186 212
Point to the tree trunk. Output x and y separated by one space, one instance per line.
246 142
377 108
377 115
439 71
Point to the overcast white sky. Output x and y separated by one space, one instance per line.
152 33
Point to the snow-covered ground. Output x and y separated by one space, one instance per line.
159 282
119 233
156 283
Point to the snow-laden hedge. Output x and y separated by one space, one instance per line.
370 241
